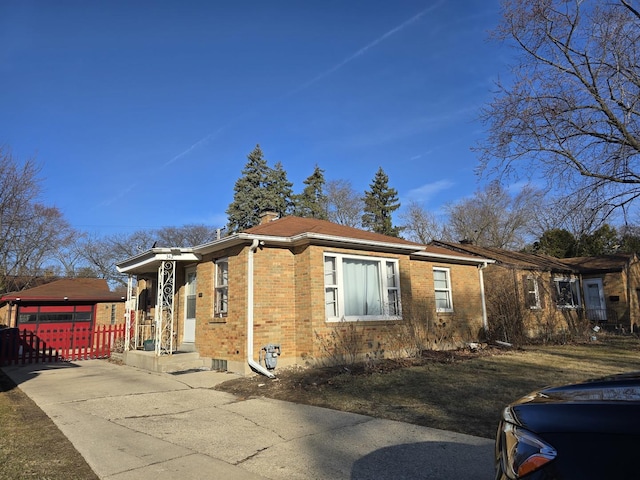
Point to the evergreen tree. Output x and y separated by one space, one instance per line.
250 197
312 202
379 203
556 242
278 190
630 239
603 241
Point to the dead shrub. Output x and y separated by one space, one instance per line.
341 345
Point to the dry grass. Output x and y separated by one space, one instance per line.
31 446
455 391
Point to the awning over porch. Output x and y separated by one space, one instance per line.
159 263
151 260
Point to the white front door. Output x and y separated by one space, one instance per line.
189 335
594 300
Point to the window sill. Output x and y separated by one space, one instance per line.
376 318
216 320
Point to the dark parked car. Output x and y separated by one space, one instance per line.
589 430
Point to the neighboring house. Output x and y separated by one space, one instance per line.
610 289
63 303
559 294
300 284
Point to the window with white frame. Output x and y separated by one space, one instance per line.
442 286
361 288
567 292
221 286
532 294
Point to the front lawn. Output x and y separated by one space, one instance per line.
458 391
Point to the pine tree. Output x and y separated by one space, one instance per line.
379 203
312 202
278 190
249 198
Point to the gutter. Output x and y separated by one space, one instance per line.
485 321
250 288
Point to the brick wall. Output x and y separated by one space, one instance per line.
289 304
105 312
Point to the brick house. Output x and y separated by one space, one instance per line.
559 294
63 302
611 289
294 282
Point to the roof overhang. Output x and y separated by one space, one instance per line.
456 259
307 238
151 260
17 298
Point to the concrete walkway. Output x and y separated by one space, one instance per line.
133 424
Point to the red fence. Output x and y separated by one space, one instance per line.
53 344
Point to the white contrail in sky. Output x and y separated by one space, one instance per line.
200 142
364 49
322 75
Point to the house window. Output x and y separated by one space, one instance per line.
442 286
567 292
532 294
361 288
221 285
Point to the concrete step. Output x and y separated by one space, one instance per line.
177 362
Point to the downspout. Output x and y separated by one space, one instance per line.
252 363
485 322
9 315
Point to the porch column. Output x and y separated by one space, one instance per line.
164 308
131 309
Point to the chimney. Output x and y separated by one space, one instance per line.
268 216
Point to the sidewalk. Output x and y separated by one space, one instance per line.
133 424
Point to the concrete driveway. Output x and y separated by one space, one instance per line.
133 424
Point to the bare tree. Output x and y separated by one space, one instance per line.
420 225
576 215
101 254
185 236
30 233
345 205
494 218
571 113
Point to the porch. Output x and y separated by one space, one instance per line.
177 362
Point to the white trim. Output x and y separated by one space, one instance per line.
448 290
571 281
339 289
191 337
535 291
216 266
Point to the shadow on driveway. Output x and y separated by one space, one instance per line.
421 460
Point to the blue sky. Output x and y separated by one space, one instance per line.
142 113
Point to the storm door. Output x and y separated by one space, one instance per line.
594 300
189 335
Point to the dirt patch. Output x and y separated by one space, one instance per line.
292 384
